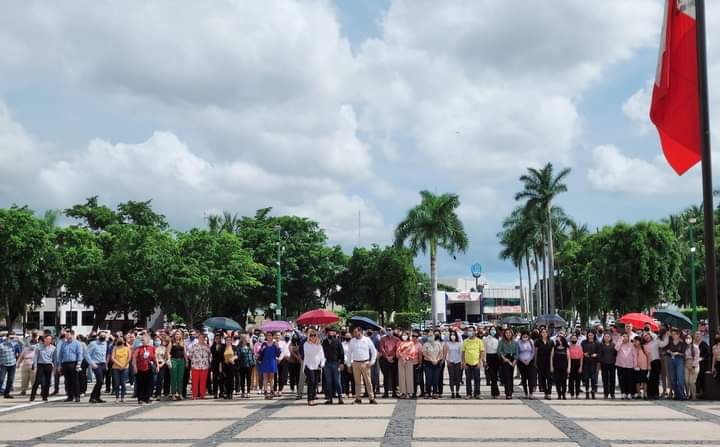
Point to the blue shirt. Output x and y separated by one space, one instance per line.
96 352
44 355
7 354
70 352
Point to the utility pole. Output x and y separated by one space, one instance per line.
693 292
278 276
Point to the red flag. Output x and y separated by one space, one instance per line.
675 108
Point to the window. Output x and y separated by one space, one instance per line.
48 318
33 320
71 318
87 317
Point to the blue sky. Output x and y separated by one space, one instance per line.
333 108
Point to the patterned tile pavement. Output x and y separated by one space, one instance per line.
391 423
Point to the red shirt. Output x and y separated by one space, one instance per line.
576 352
144 355
388 346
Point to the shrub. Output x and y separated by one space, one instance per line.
405 319
702 312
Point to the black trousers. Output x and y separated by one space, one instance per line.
493 363
472 380
216 381
544 377
83 378
527 377
228 380
506 373
560 375
608 378
653 386
590 376
162 381
143 381
389 372
348 383
42 379
627 381
312 377
186 379
99 373
244 374
575 377
72 384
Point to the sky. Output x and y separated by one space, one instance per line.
340 111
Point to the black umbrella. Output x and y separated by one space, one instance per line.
223 323
514 320
547 320
673 318
365 323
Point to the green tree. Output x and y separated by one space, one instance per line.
28 261
540 187
431 224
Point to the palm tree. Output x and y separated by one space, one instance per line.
218 223
433 223
514 240
540 188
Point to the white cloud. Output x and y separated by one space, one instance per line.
613 171
637 108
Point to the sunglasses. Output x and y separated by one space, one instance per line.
312 335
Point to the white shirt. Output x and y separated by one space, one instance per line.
314 355
284 349
361 350
491 344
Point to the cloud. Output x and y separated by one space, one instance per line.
613 171
637 108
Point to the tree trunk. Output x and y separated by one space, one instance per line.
545 282
538 292
551 265
522 298
433 280
560 289
531 305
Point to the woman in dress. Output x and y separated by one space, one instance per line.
268 363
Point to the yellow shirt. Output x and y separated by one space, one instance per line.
471 351
122 357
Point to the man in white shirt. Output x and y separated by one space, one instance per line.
362 355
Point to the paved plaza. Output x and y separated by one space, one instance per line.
421 423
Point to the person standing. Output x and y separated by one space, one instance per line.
560 365
217 353
95 358
387 355
576 364
43 366
663 339
268 363
228 368
190 341
406 358
142 364
526 364
508 355
178 360
162 354
677 350
652 349
334 358
490 343
246 364
453 359
692 366
200 358
626 362
591 353
69 363
473 351
607 355
642 365
348 384
704 349
362 355
120 358
314 362
8 363
543 351
433 352
25 365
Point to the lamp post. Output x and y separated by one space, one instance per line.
693 293
278 278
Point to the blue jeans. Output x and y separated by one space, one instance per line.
10 372
331 380
432 379
120 378
677 376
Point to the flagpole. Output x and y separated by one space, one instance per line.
709 234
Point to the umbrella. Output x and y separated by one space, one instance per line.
514 320
223 323
365 323
318 316
547 320
639 320
275 326
673 318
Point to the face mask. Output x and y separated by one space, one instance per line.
261 338
600 331
287 338
688 340
423 339
404 337
102 339
192 338
236 342
347 339
471 334
438 337
577 331
453 337
492 332
156 343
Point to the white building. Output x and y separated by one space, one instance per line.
471 305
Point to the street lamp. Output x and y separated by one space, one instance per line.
278 279
693 293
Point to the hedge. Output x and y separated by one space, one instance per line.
702 312
405 319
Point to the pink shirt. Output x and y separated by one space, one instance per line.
576 352
626 357
641 359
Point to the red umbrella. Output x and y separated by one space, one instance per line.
318 316
639 320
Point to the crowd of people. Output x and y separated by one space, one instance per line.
348 363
